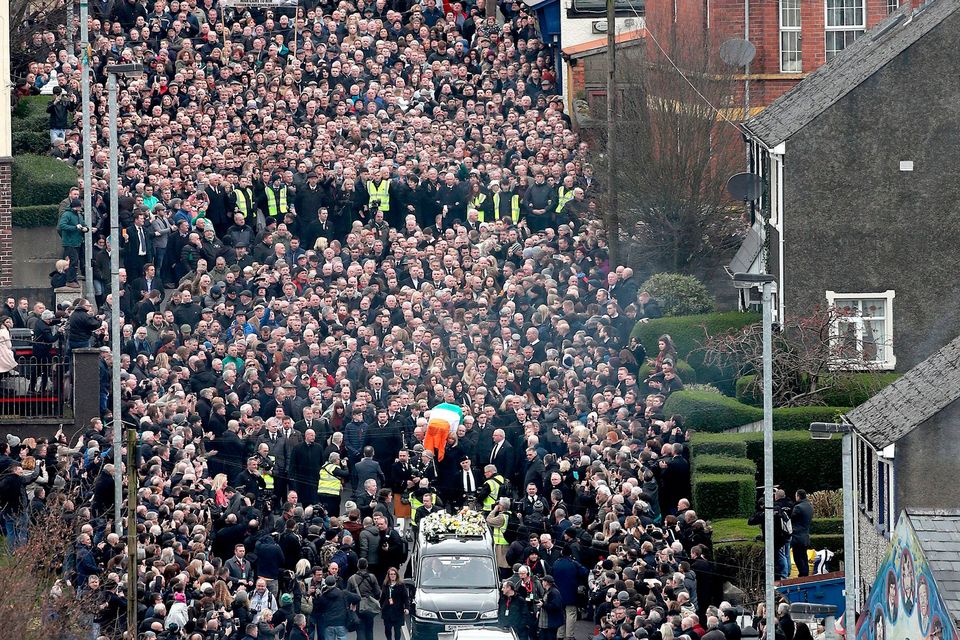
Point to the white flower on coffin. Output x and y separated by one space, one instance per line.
463 523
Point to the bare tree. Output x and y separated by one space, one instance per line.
29 18
676 148
811 355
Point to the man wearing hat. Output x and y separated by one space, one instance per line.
71 230
552 616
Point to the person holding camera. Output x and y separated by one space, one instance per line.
71 230
59 110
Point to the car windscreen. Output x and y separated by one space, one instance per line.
458 572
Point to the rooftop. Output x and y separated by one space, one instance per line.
939 535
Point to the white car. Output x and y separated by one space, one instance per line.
484 633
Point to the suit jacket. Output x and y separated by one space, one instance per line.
285 451
141 287
133 247
461 491
801 518
367 469
504 459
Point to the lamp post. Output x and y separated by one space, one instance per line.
825 431
766 284
125 70
87 144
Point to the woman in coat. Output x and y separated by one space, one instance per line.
8 362
394 604
364 584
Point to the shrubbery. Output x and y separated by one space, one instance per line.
846 390
715 413
720 464
39 215
723 496
721 444
678 295
684 370
41 180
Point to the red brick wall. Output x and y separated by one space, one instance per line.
726 21
6 226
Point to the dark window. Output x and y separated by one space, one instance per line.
631 7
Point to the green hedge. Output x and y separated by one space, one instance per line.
848 390
41 215
28 106
715 413
678 294
824 541
721 444
720 464
41 180
827 526
799 462
36 142
724 496
684 370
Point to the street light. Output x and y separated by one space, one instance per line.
825 431
127 71
767 285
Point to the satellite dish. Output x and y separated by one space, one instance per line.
737 52
745 186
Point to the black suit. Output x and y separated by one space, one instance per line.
141 286
137 242
462 482
503 460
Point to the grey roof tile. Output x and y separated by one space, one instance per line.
912 399
860 60
939 535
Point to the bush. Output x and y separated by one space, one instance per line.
41 180
847 390
823 541
709 411
827 526
41 215
684 370
799 462
688 334
36 142
721 444
678 295
28 106
719 464
724 496
827 503
799 418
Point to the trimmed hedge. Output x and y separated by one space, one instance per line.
41 180
719 464
799 462
684 370
40 215
28 106
724 496
827 526
678 295
715 413
36 142
721 444
848 390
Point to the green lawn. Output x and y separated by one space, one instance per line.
729 529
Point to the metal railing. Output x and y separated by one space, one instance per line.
35 389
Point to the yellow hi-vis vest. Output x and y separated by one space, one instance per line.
477 203
267 478
244 197
416 503
328 484
500 533
494 483
277 206
514 207
563 197
381 194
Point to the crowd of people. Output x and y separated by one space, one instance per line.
335 217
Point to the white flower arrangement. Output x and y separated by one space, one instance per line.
464 523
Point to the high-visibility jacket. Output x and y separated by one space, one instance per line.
494 484
267 478
564 196
245 203
416 503
328 484
379 194
277 203
514 207
476 202
500 533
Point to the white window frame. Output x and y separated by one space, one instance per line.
856 29
890 361
892 5
791 31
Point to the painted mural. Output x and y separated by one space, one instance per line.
904 603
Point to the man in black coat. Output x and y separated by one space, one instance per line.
801 517
230 451
139 247
512 610
674 480
533 471
305 462
385 438
217 209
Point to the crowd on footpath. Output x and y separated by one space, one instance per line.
333 218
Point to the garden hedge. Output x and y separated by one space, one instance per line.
848 390
827 526
41 180
28 106
40 215
36 142
688 334
720 464
724 496
799 462
715 413
678 294
721 444
684 370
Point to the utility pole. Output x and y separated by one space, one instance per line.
131 533
89 290
115 307
612 215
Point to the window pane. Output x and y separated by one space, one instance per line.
837 41
874 308
790 58
845 13
789 13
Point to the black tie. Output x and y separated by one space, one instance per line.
467 482
493 454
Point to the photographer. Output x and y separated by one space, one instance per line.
59 110
81 326
71 230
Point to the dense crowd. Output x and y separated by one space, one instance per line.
335 218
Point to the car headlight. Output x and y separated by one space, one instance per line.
423 613
489 615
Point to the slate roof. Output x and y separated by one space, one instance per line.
902 406
939 535
827 85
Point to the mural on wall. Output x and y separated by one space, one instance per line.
904 601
